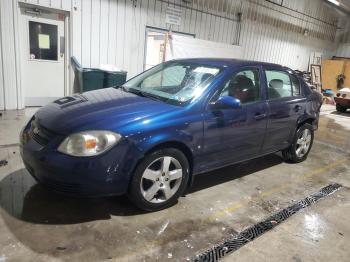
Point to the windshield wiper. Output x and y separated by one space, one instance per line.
135 91
139 92
142 93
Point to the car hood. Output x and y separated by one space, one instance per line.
345 90
104 109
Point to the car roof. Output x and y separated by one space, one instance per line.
230 62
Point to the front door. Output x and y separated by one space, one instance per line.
232 135
42 56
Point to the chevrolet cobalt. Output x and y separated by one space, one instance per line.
151 136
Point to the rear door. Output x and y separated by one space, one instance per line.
286 104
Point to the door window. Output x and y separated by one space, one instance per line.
42 41
279 84
244 85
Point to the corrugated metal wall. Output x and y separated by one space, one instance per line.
56 4
343 50
113 32
344 40
9 63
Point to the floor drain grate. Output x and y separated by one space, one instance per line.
217 252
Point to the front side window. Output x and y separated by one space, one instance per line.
176 82
279 84
244 85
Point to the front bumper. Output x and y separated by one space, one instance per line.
102 175
342 101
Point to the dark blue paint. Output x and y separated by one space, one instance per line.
215 137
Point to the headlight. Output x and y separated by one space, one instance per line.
88 143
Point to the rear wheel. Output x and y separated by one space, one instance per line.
159 180
301 145
340 108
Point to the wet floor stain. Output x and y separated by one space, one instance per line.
102 229
251 233
3 162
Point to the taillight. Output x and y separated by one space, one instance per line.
343 95
338 94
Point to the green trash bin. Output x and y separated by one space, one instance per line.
87 79
114 78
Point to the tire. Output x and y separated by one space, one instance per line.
152 187
341 108
296 153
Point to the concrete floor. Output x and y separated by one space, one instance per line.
36 225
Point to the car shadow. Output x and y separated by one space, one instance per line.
347 113
21 197
232 172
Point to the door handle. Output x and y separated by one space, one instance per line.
259 116
297 108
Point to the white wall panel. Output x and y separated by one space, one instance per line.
95 33
76 27
2 103
57 4
343 50
344 39
9 85
85 31
113 32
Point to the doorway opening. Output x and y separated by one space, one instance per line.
155 45
44 55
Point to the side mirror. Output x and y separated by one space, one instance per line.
226 102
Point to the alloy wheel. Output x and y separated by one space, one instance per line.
303 143
161 179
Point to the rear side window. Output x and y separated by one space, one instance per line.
279 84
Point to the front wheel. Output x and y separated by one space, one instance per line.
159 180
340 108
301 146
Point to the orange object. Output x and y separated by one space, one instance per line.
90 143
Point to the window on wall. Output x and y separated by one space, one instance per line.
279 84
43 41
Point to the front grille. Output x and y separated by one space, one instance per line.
40 134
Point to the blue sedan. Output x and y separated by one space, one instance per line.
151 136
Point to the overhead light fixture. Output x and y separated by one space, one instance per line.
334 2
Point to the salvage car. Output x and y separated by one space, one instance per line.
151 136
342 100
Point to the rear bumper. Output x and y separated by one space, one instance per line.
102 175
342 101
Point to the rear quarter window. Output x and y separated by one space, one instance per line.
295 85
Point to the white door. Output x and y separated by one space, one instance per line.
42 56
